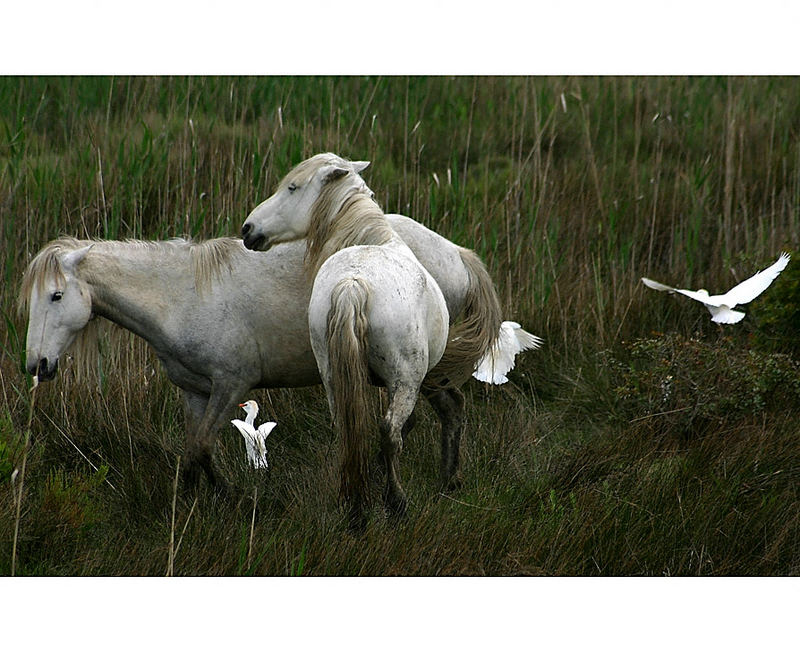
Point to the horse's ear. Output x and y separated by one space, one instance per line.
71 259
334 173
358 166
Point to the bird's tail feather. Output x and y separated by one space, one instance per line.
724 315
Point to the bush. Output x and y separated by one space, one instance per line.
61 517
684 382
779 312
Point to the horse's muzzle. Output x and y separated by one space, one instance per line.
257 243
44 369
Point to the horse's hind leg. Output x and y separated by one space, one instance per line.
401 406
449 407
378 468
411 422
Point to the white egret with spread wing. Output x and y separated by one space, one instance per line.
720 305
499 360
254 438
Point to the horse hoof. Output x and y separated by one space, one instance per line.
397 506
453 483
190 475
357 523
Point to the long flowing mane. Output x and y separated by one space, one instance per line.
209 259
212 257
44 266
342 216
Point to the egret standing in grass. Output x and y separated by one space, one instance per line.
720 305
254 438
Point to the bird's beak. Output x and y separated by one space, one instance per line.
241 405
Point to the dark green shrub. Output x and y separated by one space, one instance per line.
779 311
685 382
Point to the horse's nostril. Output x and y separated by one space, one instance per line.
246 227
45 370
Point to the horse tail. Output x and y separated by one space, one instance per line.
474 330
348 380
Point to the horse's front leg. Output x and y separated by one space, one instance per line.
201 441
194 407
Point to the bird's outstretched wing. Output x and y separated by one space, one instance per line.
260 460
751 288
244 428
266 428
249 435
693 294
499 360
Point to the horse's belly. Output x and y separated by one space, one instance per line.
297 372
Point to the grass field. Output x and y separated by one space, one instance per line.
641 440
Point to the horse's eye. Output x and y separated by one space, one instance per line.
292 188
56 296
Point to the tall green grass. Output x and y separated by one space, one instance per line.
570 189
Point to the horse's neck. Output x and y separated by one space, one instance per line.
136 288
359 222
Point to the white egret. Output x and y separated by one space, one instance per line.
254 438
499 360
720 305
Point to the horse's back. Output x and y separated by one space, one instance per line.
439 256
249 323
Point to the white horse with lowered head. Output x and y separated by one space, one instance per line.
176 295
375 314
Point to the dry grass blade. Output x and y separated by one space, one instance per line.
171 559
20 492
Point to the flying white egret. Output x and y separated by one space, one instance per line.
254 438
720 305
499 360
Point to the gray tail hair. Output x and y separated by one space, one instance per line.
473 331
349 381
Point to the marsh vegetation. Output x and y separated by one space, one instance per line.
641 439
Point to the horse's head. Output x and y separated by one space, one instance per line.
59 307
286 215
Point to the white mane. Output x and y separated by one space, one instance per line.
343 215
208 259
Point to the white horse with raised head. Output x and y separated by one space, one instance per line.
480 344
176 294
375 314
